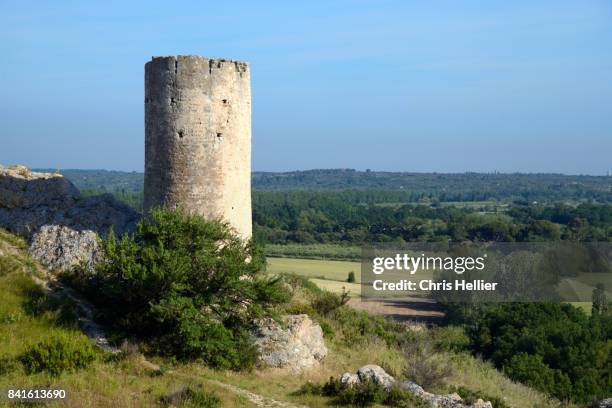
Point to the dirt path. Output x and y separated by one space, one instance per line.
256 399
416 310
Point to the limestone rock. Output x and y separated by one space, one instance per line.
412 387
376 374
48 210
62 248
297 347
482 404
606 403
349 379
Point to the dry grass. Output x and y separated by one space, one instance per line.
314 268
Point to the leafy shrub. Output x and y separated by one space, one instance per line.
58 354
362 394
296 282
351 277
327 302
189 286
359 327
471 396
450 338
187 397
423 366
328 332
310 388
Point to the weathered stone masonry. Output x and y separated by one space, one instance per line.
198 138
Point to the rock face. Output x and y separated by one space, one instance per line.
298 346
61 225
378 375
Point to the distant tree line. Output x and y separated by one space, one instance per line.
309 217
401 186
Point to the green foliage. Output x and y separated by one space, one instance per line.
470 396
600 301
555 348
351 277
362 394
449 338
189 286
191 397
327 302
58 354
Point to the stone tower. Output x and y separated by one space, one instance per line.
198 138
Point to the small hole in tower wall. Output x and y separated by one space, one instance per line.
180 134
219 135
224 101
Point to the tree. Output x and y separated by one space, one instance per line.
600 301
189 286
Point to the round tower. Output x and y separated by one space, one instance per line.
198 138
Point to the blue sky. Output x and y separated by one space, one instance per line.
447 86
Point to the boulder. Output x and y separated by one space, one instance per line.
376 374
62 248
605 403
298 346
411 387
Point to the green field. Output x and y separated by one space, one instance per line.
315 268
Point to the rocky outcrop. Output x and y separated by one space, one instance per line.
378 375
606 403
60 224
297 346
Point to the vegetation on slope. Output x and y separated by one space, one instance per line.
189 287
555 348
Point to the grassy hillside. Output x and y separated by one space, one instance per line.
28 315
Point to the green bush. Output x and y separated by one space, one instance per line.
470 396
58 354
555 348
327 302
328 332
188 397
351 277
189 286
362 394
449 338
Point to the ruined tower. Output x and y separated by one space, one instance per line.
198 138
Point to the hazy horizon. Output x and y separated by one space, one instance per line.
450 87
48 169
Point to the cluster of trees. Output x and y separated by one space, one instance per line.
353 217
553 347
406 187
444 187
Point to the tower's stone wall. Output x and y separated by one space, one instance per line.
198 138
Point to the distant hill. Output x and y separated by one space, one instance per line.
440 186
